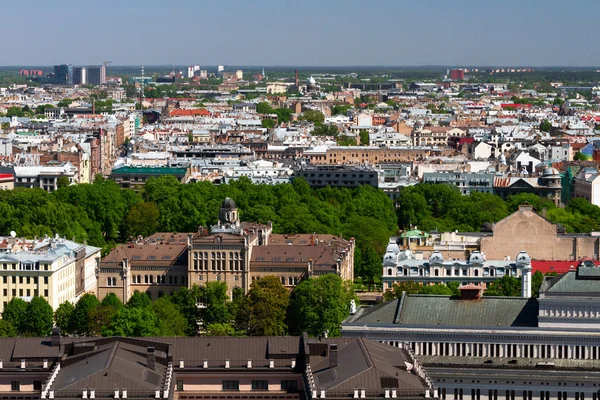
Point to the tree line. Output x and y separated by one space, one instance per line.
103 214
509 286
439 207
317 305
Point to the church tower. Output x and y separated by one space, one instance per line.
524 263
228 215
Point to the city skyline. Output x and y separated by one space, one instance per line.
386 33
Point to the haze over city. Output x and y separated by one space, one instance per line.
301 33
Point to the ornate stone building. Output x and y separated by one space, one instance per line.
237 252
500 348
233 252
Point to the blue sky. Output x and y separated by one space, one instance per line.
301 32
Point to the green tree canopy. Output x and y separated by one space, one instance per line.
139 300
319 305
62 316
172 321
80 318
142 219
264 308
14 314
133 321
38 320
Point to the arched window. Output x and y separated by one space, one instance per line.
291 281
389 272
171 279
283 280
476 272
436 272
146 280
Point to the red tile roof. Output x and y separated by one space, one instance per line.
189 113
559 267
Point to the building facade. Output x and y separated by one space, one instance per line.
490 348
277 368
466 182
54 268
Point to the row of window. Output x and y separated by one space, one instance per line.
425 271
257 384
290 281
25 266
511 395
24 279
217 255
218 265
24 292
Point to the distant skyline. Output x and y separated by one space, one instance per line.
301 33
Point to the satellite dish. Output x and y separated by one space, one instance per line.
13 234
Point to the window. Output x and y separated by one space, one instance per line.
37 385
232 385
260 385
15 386
179 385
289 384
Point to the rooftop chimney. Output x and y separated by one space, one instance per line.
55 338
151 363
470 292
333 355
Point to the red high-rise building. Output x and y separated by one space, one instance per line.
457 74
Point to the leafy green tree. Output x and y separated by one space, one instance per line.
214 297
506 286
325 130
579 156
409 287
142 219
314 116
15 312
38 320
319 305
15 112
65 103
133 321
42 108
268 123
364 137
139 300
264 308
263 108
172 321
62 182
62 316
80 319
186 301
283 114
218 329
7 329
370 266
340 109
438 289
545 126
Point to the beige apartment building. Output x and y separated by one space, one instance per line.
54 268
375 155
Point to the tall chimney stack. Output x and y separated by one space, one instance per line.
296 81
333 355
151 363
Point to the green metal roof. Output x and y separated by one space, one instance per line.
435 310
150 170
487 311
584 280
414 233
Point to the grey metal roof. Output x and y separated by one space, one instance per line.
487 311
584 280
